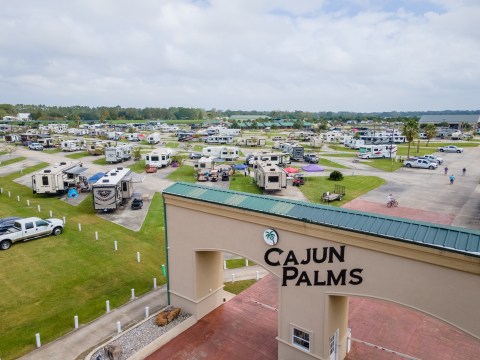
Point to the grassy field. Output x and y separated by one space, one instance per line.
238 286
239 182
77 155
237 263
46 282
183 173
12 161
354 186
383 164
329 163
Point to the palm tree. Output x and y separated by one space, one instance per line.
410 131
430 132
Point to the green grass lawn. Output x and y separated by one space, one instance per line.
183 173
172 145
197 148
239 182
12 161
237 263
46 282
77 155
101 161
52 151
355 186
383 164
238 286
138 167
326 162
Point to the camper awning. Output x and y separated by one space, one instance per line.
76 170
134 177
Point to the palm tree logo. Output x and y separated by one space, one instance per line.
270 237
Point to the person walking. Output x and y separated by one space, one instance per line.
464 171
452 179
446 170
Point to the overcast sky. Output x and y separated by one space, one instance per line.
310 55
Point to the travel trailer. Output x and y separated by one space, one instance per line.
251 141
158 158
316 142
229 153
277 158
219 139
97 148
269 177
153 138
113 189
72 145
119 153
294 150
203 167
58 179
377 151
232 132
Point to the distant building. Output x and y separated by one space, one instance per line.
454 121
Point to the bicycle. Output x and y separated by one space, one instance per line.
393 203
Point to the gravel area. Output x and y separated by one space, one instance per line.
140 336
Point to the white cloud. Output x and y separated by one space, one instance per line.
242 54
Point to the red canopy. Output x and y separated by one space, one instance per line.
291 170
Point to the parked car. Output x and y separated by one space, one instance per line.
450 149
194 155
7 222
137 204
35 146
311 158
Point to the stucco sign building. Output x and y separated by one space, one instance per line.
322 256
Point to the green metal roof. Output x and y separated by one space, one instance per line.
448 238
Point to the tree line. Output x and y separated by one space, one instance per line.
104 113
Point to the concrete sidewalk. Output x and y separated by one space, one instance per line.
76 344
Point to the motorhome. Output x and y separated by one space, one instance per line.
158 158
377 151
58 179
229 153
219 139
252 141
153 138
295 151
72 145
113 190
277 158
269 176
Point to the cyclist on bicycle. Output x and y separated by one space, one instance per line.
390 198
391 201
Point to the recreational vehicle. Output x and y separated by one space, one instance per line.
58 179
116 154
377 151
219 139
295 151
203 167
232 132
269 177
251 141
229 153
113 189
276 158
153 138
97 148
158 158
316 142
72 145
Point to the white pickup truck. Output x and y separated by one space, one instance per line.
30 228
420 163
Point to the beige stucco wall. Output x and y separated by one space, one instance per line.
436 282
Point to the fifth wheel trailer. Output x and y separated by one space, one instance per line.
114 189
58 179
269 177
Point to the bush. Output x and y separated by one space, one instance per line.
335 176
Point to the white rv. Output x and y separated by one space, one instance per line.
377 151
251 141
219 139
58 179
114 154
203 167
153 138
229 153
276 158
113 189
232 132
294 150
72 145
269 177
158 158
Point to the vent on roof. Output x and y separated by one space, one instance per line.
113 174
47 171
120 168
105 180
63 163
